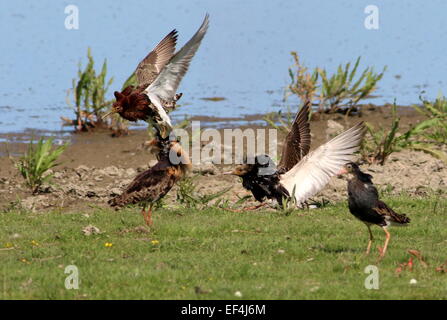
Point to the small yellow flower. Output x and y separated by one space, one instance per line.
34 243
155 242
8 245
108 244
24 261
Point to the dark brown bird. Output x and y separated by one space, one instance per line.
154 183
262 177
133 105
158 76
300 174
365 205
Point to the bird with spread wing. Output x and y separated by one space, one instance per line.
158 76
300 174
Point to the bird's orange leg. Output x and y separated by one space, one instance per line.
371 238
149 221
143 213
147 215
388 237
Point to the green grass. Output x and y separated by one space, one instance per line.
323 254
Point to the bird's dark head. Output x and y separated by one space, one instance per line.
261 165
353 170
121 101
119 105
125 100
351 167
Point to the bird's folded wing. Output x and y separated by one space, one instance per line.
383 209
167 82
297 143
145 179
149 68
314 171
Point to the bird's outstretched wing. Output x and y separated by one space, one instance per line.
314 171
150 67
165 85
297 142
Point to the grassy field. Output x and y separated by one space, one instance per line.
211 254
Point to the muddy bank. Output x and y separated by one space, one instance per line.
82 187
99 149
96 167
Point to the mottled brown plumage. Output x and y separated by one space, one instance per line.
297 143
385 211
154 183
149 68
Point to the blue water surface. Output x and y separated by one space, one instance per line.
244 57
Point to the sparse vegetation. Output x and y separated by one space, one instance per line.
224 203
279 120
190 198
89 91
302 82
332 93
379 143
36 162
437 110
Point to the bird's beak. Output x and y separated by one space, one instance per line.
107 114
342 171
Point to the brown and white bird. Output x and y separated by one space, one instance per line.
158 76
153 184
300 174
364 204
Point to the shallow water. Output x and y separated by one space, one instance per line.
244 56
